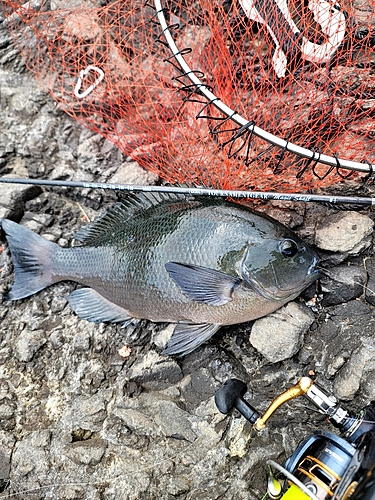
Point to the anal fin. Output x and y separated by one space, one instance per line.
91 306
187 337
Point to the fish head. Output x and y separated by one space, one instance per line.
280 265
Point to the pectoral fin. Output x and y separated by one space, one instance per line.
203 284
187 337
91 306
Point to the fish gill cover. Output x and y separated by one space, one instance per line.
301 70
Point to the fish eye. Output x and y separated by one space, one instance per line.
288 247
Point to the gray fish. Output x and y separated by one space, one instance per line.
196 261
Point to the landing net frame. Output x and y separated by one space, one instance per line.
197 89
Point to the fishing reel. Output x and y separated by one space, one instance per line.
324 465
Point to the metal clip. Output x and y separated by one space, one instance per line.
82 74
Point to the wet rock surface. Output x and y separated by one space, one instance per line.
279 335
345 233
94 411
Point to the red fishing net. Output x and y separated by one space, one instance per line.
301 70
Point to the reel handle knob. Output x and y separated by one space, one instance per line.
230 395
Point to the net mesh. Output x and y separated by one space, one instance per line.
302 70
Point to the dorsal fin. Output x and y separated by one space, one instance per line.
133 205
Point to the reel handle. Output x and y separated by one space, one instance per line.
230 396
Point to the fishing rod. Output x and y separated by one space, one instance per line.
199 191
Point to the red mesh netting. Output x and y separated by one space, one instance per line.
300 69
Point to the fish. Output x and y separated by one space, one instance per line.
197 261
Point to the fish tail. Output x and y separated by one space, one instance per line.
32 262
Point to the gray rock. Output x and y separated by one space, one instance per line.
88 452
58 303
348 380
89 147
132 173
160 338
197 387
40 135
32 225
17 95
347 232
178 486
29 342
370 287
63 242
31 456
368 386
155 372
238 437
4 40
81 341
87 412
279 335
5 213
342 283
7 442
56 339
156 414
6 410
287 212
173 421
44 220
345 331
14 196
5 354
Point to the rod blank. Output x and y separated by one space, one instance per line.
258 195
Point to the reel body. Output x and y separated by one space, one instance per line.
320 462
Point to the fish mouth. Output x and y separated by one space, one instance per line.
313 272
282 294
275 296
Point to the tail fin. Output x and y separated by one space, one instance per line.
31 256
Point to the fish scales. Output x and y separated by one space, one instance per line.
128 266
198 262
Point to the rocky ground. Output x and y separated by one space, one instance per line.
82 416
